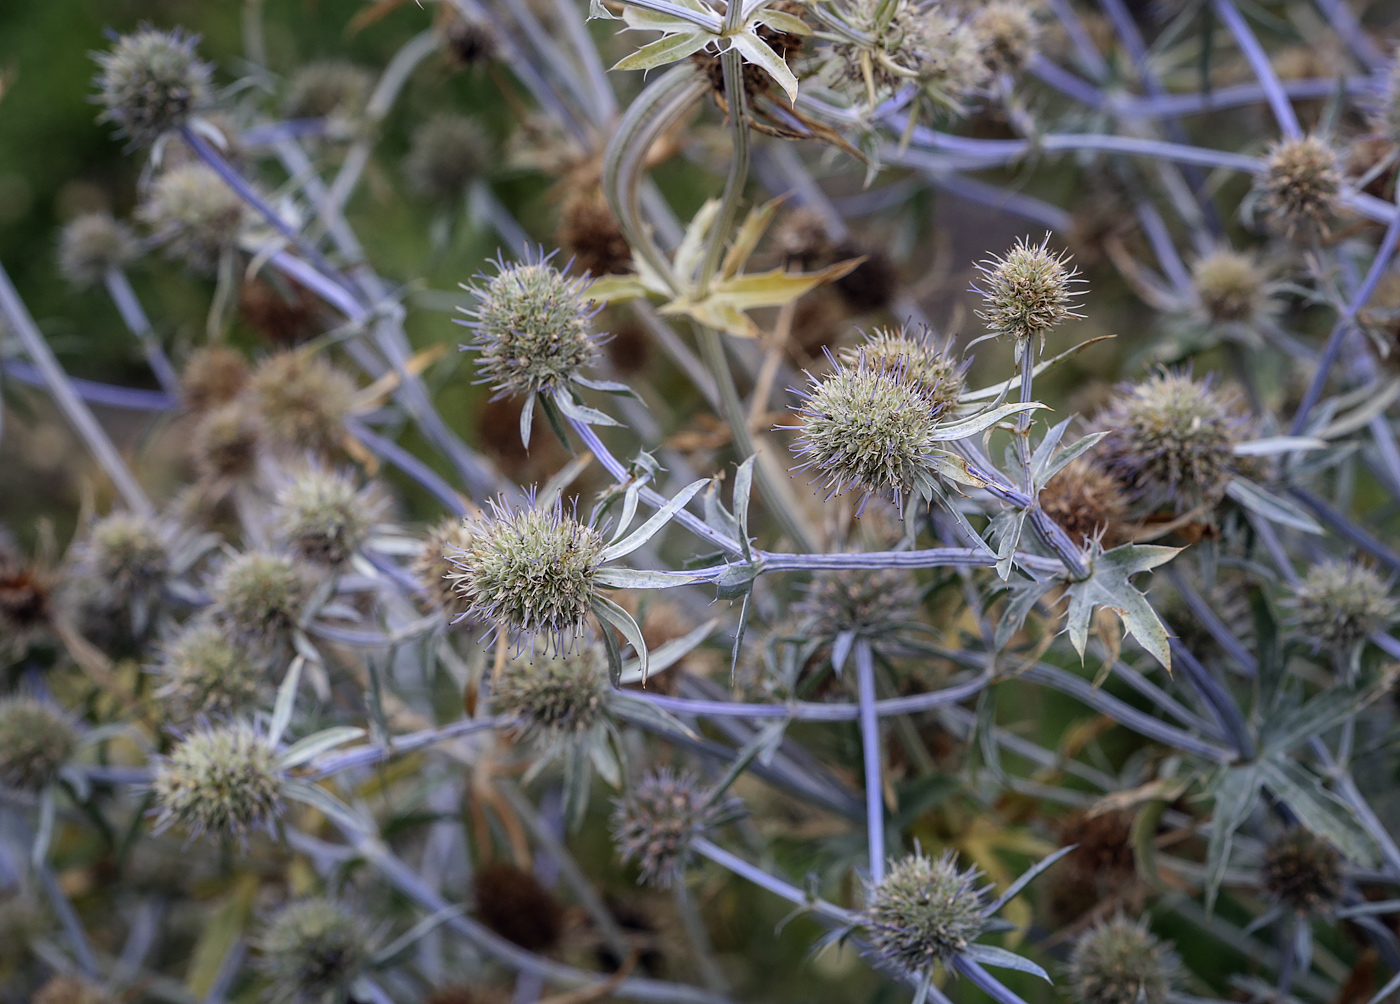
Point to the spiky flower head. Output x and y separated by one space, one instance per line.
555 697
928 366
924 912
1008 33
213 375
69 990
127 553
1171 440
1301 185
1338 603
226 441
873 603
530 570
92 245
207 673
259 596
151 82
224 780
1086 501
445 154
312 950
1028 291
36 741
191 211
331 88
657 823
1303 872
434 570
1119 961
303 400
864 427
323 517
533 327
1229 288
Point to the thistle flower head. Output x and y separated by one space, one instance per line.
929 367
1027 292
873 603
1119 961
1087 502
127 553
907 42
226 441
303 400
434 570
1171 440
1301 184
191 211
151 82
213 375
529 570
555 696
322 517
259 596
69 990
312 950
207 673
1338 603
864 427
445 154
1229 287
1007 33
533 327
223 780
1303 872
513 903
92 245
36 741
657 823
332 88
924 912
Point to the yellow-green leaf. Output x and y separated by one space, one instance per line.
616 288
666 50
756 51
755 223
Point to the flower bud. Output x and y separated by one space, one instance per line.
191 211
1339 603
323 518
1229 287
312 950
36 741
213 375
259 597
657 823
69 990
223 780
1119 961
207 673
1301 186
127 553
303 400
331 88
151 82
554 697
924 912
93 245
873 603
446 153
226 441
930 367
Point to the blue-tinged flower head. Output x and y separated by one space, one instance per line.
1119 961
223 780
657 823
924 912
36 741
92 245
194 215
150 82
312 950
1028 291
1338 603
533 326
928 364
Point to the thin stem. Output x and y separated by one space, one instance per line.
134 317
872 748
1259 63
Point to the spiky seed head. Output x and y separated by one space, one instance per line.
924 912
554 696
259 596
92 245
332 88
1027 292
513 903
863 427
873 603
470 41
870 286
207 673
1338 603
26 604
322 517
213 375
1086 501
445 154
1008 33
1119 961
36 741
529 570
191 211
1171 440
1301 185
127 553
151 82
927 365
434 570
313 950
657 823
223 780
69 990
303 400
589 234
533 327
1229 287
1303 872
226 441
